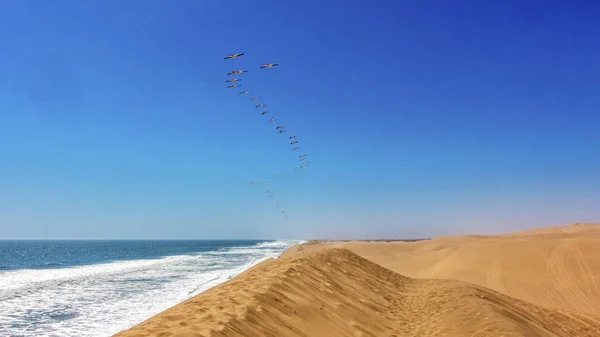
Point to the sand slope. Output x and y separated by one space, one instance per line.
334 292
556 267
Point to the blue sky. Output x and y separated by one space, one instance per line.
421 118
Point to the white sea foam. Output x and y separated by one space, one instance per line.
278 244
102 299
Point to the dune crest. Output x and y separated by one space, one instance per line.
576 228
557 270
334 292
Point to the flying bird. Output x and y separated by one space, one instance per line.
261 105
279 126
254 98
296 148
292 137
272 120
244 93
282 131
268 65
264 113
237 72
234 86
294 142
234 56
233 80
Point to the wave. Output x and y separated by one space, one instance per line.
101 299
279 243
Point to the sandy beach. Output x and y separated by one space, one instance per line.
543 282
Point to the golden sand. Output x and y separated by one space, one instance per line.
534 283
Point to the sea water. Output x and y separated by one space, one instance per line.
98 288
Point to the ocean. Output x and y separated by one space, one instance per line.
98 288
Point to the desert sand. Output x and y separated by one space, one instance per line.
542 282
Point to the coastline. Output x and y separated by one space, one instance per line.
258 265
94 288
350 287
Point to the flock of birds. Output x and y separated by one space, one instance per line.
234 77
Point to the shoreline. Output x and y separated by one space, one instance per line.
99 289
298 291
256 265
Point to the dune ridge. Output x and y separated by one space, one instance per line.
335 292
556 267
576 228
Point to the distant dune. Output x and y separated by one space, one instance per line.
577 228
511 285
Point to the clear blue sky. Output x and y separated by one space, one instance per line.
421 118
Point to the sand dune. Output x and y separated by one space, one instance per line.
316 291
557 267
578 228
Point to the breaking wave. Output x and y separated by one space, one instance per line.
103 299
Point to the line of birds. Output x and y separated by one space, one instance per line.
235 56
302 159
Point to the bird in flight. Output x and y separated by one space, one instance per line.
269 65
234 56
237 72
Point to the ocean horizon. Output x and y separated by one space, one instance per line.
100 287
